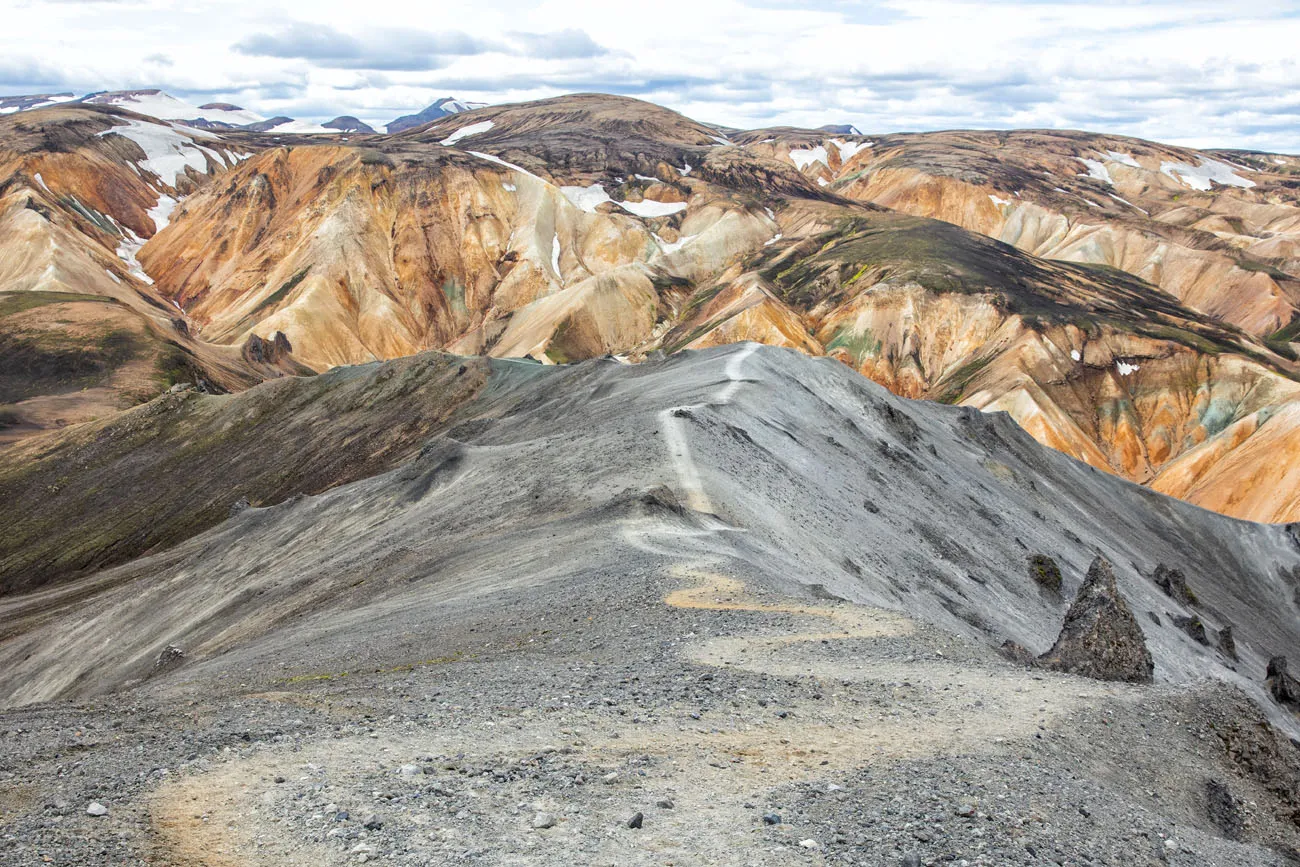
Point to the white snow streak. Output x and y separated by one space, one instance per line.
1125 368
997 201
466 132
849 149
167 152
1123 159
802 158
1096 170
555 258
1199 177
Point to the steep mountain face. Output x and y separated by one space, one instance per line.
442 108
571 228
84 331
1219 231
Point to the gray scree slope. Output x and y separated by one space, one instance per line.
811 480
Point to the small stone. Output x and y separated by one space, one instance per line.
374 823
543 820
279 779
664 804
410 770
911 859
809 844
636 821
966 808
610 777
96 809
771 819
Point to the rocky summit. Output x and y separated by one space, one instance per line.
577 482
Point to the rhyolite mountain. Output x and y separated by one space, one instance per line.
576 482
1128 303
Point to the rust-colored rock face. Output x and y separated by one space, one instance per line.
1127 303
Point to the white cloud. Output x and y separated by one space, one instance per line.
1193 72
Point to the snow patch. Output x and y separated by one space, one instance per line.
685 169
651 208
673 246
1125 368
590 198
1075 354
1200 177
509 188
802 158
40 180
849 149
1278 161
1096 170
646 178
466 132
1130 204
114 277
821 182
167 152
721 142
996 201
586 198
772 240
1123 159
502 162
555 258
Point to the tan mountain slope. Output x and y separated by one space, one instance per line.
1221 231
580 226
82 330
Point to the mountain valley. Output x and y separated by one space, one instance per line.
572 481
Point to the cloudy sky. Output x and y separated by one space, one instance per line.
1186 72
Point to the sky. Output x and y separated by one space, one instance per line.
1193 73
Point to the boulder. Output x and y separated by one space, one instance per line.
1100 637
1281 685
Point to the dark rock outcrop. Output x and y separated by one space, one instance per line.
1045 572
1100 637
1174 583
1193 627
1228 643
1284 688
273 351
1223 809
1017 653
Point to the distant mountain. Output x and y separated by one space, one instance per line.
348 123
442 108
840 129
164 106
11 104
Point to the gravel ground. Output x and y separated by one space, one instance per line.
505 653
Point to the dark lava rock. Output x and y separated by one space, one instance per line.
374 823
170 656
1223 809
1174 583
1227 643
1045 572
636 821
1281 685
1193 627
771 819
1017 652
1100 637
273 351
